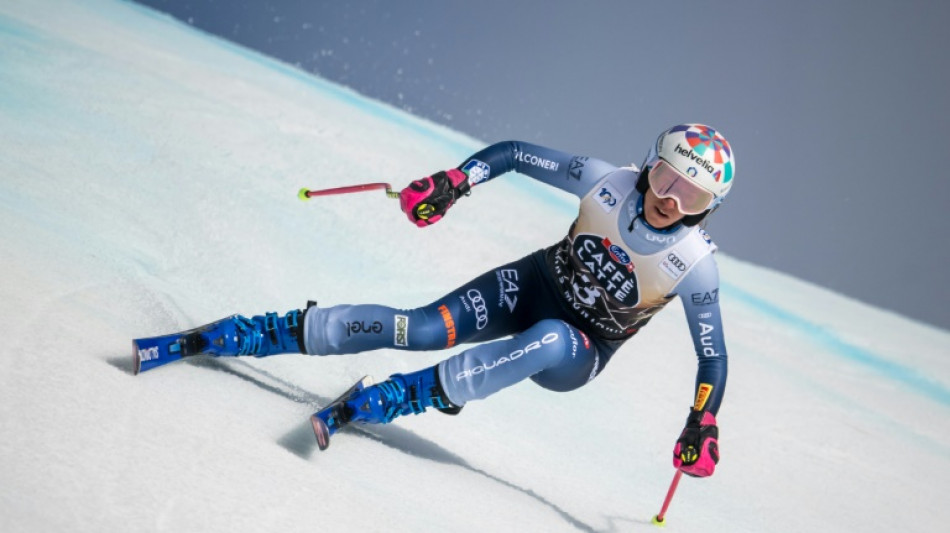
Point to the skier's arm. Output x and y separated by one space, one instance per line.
697 450
699 292
572 173
426 201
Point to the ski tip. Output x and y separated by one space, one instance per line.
321 432
136 360
302 194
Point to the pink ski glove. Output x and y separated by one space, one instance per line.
697 450
425 201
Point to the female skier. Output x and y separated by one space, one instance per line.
555 316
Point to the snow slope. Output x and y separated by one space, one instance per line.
148 178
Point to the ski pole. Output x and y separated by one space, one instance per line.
661 517
306 193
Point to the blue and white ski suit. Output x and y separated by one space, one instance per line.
568 307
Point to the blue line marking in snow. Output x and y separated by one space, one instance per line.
889 369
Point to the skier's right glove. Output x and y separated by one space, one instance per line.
425 201
697 450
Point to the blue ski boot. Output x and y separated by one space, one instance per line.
259 336
366 403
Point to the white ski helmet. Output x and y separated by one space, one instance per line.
700 155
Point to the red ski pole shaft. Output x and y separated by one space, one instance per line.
659 518
306 193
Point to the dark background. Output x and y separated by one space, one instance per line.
837 111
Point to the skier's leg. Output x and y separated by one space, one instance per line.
484 308
552 353
555 354
463 315
460 316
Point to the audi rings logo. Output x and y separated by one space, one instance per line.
674 265
481 310
676 262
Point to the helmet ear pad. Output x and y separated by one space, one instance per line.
643 183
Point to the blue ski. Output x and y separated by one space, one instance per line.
151 352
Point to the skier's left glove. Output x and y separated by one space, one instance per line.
425 201
697 450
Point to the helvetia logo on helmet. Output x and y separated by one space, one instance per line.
695 158
707 142
706 147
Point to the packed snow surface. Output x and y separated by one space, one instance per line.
148 179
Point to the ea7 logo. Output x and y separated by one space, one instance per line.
705 298
508 287
577 167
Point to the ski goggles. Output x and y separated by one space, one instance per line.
667 182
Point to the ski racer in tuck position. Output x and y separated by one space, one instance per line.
555 316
